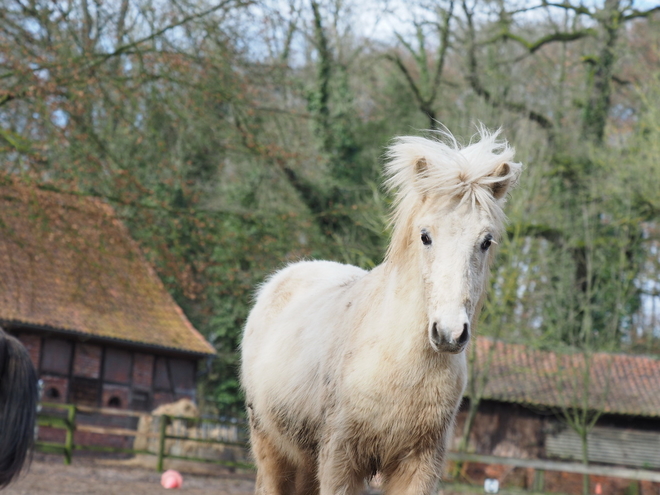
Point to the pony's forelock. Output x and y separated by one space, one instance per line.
418 168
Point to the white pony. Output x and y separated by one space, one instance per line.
348 372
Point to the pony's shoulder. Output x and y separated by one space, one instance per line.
302 273
298 282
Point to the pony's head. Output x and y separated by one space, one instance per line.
446 218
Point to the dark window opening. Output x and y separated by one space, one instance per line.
117 366
52 393
114 401
56 356
162 375
183 375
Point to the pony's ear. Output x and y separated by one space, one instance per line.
421 168
505 176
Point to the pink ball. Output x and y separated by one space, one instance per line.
171 479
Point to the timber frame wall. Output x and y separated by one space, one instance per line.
107 374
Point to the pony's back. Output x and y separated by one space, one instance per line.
18 407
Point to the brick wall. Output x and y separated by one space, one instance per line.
56 388
554 481
116 393
571 483
137 380
161 398
32 343
87 360
506 430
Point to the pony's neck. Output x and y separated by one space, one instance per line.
405 278
405 299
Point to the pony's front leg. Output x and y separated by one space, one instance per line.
337 471
307 482
418 474
275 473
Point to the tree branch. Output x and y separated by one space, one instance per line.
638 13
411 82
478 87
124 48
533 46
442 50
580 9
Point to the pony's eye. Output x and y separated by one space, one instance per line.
487 242
426 239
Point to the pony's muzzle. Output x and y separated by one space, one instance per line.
443 340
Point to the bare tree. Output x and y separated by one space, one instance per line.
607 22
432 37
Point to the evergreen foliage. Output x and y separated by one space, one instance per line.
231 147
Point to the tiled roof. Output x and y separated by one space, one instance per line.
68 263
616 383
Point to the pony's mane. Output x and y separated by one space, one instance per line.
419 168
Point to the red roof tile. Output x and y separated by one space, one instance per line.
68 263
615 383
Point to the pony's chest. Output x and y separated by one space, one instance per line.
399 374
404 397
391 428
399 396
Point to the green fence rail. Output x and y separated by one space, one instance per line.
68 422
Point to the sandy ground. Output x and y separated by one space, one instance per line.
48 475
98 476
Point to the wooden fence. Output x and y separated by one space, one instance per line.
66 417
68 420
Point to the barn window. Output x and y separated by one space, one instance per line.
162 375
56 356
117 366
183 375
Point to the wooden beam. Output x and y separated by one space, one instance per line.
104 430
111 411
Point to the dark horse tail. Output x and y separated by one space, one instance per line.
18 407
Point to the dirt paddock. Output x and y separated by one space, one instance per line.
102 476
90 475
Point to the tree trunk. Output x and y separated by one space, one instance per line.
319 106
585 461
600 75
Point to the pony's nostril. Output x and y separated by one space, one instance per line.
434 333
465 335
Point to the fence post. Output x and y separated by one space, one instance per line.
161 442
70 428
539 480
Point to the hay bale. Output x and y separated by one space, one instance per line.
149 427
